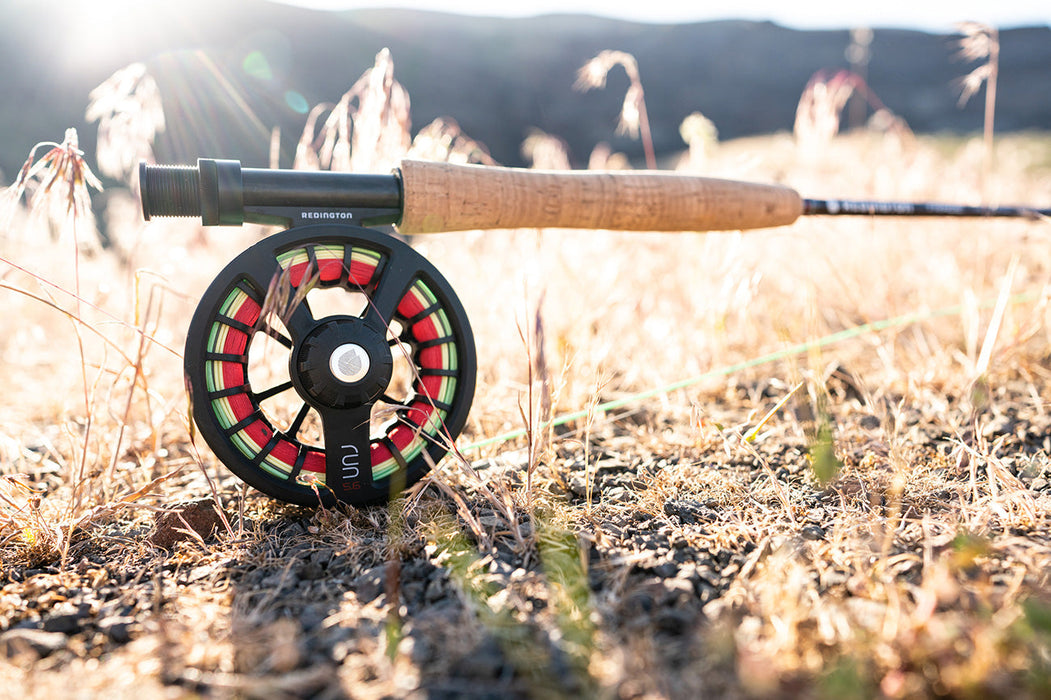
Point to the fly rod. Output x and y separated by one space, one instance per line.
334 426
425 197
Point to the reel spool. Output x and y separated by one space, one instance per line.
330 363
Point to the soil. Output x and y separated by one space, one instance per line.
627 570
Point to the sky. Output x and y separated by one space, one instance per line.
929 15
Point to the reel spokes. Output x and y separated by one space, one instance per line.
330 361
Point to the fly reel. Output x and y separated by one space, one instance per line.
330 363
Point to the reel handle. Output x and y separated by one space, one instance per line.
447 197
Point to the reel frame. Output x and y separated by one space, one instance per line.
339 365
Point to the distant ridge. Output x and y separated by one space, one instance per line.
498 78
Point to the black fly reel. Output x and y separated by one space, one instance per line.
330 363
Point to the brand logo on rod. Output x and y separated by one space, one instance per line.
326 215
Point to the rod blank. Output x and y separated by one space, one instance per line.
848 207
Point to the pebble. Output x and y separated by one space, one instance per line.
170 525
1000 425
689 512
869 422
484 661
66 623
311 571
673 620
369 585
666 570
118 629
39 642
812 532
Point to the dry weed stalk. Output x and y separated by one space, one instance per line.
701 136
859 53
633 119
545 151
981 42
536 415
819 112
63 192
444 140
307 157
128 108
367 131
59 182
603 158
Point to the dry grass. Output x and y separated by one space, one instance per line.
981 42
919 568
633 117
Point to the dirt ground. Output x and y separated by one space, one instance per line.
639 592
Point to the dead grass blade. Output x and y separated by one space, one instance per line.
634 121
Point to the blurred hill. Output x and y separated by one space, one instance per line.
230 70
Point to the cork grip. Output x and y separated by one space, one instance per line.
446 197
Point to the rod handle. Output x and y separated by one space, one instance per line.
448 197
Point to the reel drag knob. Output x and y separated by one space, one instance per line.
343 364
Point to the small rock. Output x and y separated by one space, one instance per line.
666 570
578 485
689 511
676 590
369 585
65 623
39 642
812 532
412 591
484 661
311 618
1038 484
118 629
1000 425
174 525
673 621
682 555
870 422
311 571
436 590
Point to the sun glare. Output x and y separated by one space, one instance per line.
96 29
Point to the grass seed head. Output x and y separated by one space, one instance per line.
546 152
367 131
59 183
444 140
128 108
